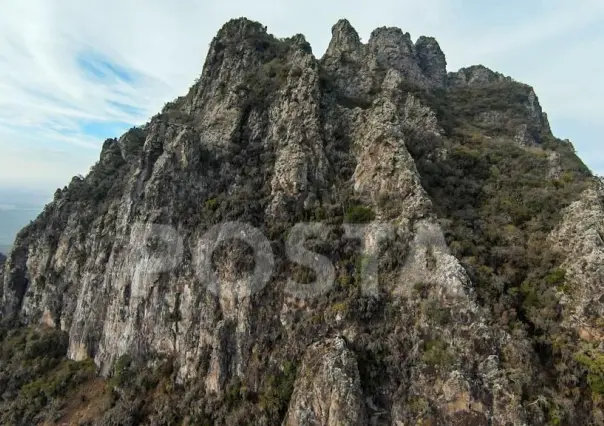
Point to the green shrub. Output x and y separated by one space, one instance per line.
121 371
233 393
359 214
339 307
319 214
433 310
211 204
593 361
278 389
67 375
436 353
35 376
556 277
419 405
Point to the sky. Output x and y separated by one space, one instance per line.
73 73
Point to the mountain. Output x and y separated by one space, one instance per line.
2 261
359 239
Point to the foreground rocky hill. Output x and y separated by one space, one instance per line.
464 240
2 260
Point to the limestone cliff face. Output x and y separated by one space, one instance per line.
328 389
271 136
580 239
2 261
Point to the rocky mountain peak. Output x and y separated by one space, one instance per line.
388 48
344 38
432 60
359 239
533 128
391 37
240 29
475 75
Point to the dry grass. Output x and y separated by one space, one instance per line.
89 402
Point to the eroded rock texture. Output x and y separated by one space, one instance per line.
271 136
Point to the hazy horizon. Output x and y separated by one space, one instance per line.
17 208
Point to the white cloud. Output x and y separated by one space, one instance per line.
46 96
555 19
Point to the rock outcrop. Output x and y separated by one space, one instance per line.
123 260
477 75
2 261
527 122
359 70
328 389
580 239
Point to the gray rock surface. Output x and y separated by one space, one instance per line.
475 76
328 388
271 136
580 239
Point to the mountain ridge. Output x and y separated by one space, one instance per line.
478 312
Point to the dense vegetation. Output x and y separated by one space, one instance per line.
37 383
498 202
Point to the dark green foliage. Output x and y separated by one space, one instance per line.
278 389
500 204
133 141
556 277
435 313
35 377
263 81
359 214
436 353
506 96
593 361
211 204
122 373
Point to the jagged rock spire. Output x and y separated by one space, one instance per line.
391 37
344 38
388 48
432 59
240 27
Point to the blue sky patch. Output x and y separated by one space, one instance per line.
105 129
97 66
128 109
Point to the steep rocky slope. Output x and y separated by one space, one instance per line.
482 306
2 261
